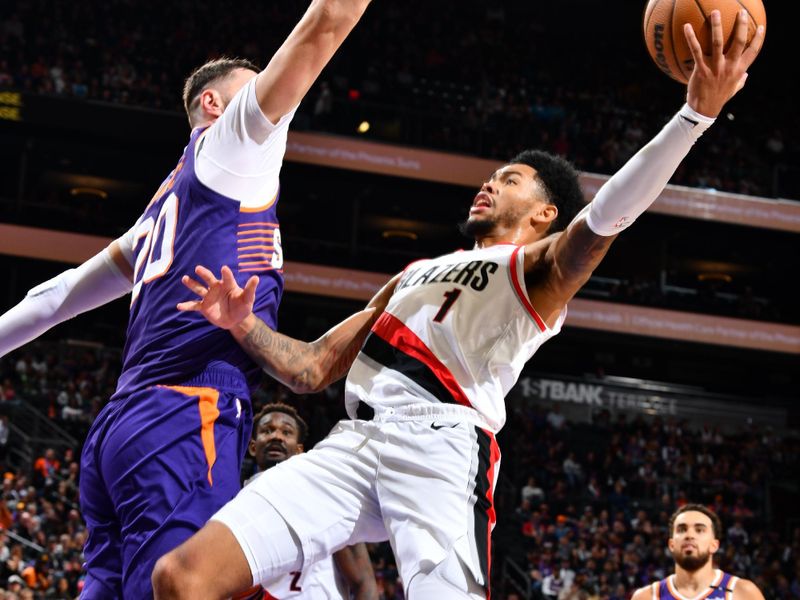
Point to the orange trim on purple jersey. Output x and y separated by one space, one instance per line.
263 247
731 586
255 232
207 399
711 590
251 269
268 224
251 263
256 239
264 255
257 209
171 245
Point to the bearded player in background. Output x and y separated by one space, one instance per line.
694 533
278 434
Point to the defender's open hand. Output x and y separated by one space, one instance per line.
222 301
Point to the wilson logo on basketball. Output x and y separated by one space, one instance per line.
658 42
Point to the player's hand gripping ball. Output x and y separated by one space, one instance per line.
666 42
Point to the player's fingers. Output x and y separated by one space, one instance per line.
188 306
227 277
752 50
739 35
717 42
206 275
694 44
250 289
194 286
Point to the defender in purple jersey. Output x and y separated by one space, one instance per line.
695 533
166 452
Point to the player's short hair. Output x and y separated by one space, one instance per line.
715 521
560 180
205 74
302 426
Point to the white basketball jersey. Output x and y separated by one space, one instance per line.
457 331
320 581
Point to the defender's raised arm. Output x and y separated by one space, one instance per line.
299 61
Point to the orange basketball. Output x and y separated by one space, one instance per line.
663 29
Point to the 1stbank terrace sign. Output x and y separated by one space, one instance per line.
596 395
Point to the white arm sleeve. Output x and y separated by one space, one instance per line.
92 284
638 183
127 242
241 153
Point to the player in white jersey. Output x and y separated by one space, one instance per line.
442 344
278 434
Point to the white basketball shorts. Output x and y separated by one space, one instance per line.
425 486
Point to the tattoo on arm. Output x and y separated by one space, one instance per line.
308 367
288 360
571 260
585 250
337 361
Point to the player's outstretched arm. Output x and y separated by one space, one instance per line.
355 566
628 193
101 279
303 366
300 59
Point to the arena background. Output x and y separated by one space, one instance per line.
675 379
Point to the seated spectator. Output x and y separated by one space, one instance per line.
532 493
555 418
37 575
5 431
552 584
15 585
737 535
573 470
46 467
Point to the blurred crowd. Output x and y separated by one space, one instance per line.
590 519
486 90
41 529
716 297
582 508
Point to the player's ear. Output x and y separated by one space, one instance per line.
543 213
300 448
549 212
251 448
211 103
714 546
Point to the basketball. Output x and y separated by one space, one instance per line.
666 42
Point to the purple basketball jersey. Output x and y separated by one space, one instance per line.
721 588
188 224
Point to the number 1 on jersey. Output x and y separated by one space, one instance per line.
449 299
